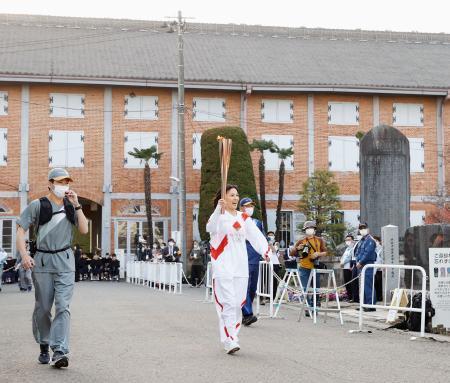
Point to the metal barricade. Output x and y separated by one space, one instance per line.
161 276
208 284
384 304
265 287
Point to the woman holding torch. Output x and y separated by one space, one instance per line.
229 229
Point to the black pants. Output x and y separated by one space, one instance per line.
348 286
196 274
277 271
355 285
379 285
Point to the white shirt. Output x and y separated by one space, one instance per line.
228 249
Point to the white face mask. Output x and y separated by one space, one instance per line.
364 232
60 190
249 211
310 231
271 238
171 243
348 243
155 246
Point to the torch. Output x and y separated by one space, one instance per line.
225 156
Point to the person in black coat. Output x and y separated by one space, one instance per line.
114 267
171 253
77 253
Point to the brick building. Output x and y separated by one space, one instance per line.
81 93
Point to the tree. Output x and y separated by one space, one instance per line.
240 172
320 202
441 209
261 146
282 155
147 155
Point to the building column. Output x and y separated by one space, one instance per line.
440 145
174 165
24 146
376 111
310 135
243 117
107 171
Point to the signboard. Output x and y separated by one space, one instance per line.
440 285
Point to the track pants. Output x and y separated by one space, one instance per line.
253 273
229 295
52 288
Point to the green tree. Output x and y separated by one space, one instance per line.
240 172
261 146
147 155
320 202
282 155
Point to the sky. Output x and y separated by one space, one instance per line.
394 15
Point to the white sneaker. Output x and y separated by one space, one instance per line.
231 347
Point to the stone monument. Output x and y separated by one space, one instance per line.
384 179
391 255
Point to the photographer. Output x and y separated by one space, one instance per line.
308 250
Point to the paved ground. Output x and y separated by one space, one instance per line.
122 332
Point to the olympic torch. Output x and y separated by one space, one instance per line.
225 156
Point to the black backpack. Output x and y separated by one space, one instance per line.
413 318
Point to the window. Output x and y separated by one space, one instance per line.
407 115
196 151
351 218
272 160
416 155
209 109
6 237
138 140
343 154
278 111
141 108
3 147
416 217
343 113
66 105
3 103
66 149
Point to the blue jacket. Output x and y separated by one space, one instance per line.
253 256
365 252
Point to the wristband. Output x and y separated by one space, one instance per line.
78 207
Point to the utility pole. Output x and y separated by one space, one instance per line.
181 141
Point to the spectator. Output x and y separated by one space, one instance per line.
3 256
96 267
114 268
9 274
275 261
365 253
77 253
346 263
196 258
309 250
84 266
171 251
106 261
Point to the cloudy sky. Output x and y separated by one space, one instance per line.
396 15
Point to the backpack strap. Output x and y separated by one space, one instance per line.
45 211
70 211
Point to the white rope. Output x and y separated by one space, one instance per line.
187 281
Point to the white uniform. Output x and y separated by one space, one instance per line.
230 266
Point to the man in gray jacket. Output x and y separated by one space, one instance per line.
53 218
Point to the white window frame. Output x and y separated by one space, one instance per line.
196 151
67 137
277 111
3 103
204 109
416 153
350 160
342 111
401 114
139 141
3 146
271 159
65 109
146 108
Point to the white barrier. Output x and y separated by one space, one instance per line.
208 284
265 286
161 276
384 305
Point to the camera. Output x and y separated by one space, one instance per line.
305 252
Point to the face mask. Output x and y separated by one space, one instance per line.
249 211
310 231
171 243
196 245
60 190
271 238
348 243
364 232
155 246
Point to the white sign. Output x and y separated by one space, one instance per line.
440 285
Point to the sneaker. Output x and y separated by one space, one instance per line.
44 356
231 347
247 321
59 360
